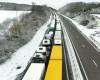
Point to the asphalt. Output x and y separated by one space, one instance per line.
88 55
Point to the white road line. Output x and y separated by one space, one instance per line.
80 62
71 50
98 50
95 63
77 55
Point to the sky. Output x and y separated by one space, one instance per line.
52 3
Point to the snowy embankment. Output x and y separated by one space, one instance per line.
98 15
9 15
10 70
92 35
4 14
95 37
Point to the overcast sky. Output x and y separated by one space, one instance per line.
52 3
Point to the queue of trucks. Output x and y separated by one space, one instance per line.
52 36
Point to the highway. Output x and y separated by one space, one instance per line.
65 70
87 56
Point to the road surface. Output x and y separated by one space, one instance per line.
65 65
88 55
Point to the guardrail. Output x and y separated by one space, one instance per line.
77 75
88 38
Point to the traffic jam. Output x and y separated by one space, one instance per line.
47 60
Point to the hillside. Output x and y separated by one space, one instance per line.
22 30
81 13
14 6
77 8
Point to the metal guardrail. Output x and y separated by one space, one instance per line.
77 75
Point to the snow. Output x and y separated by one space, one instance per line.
89 33
4 14
98 15
8 70
10 25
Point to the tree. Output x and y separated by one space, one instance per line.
33 3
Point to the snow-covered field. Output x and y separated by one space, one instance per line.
9 71
98 15
92 34
4 14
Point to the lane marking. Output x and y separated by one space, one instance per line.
95 63
75 50
72 50
80 62
89 40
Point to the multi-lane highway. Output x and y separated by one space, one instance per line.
87 56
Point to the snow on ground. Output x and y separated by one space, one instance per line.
9 71
4 14
98 15
90 34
